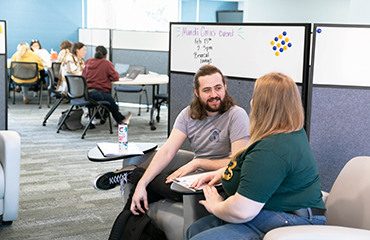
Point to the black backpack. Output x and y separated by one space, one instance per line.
73 121
135 227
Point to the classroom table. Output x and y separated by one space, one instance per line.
146 79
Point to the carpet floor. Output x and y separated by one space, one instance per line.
57 199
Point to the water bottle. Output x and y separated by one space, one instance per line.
122 138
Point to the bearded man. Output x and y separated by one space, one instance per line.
215 127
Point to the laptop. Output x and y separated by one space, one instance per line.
131 75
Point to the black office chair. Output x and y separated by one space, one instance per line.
133 89
77 92
159 99
52 92
56 70
26 74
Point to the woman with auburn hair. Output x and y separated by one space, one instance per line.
65 49
273 182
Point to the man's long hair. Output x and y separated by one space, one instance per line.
197 110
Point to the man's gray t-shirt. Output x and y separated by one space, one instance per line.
211 137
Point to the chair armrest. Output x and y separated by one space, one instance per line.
10 158
317 232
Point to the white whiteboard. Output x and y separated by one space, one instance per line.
2 37
243 50
341 55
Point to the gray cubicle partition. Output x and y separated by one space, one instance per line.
340 123
243 52
3 78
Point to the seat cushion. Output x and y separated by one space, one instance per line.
168 215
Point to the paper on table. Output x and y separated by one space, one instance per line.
111 149
187 180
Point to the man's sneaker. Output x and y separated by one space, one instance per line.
110 180
127 118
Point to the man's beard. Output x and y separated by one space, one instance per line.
208 108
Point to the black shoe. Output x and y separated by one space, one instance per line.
110 180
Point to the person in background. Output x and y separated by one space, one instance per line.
24 54
43 53
99 74
65 49
274 181
72 64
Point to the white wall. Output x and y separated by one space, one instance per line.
310 11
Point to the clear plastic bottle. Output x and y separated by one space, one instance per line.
122 138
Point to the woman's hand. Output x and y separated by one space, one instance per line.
212 198
139 196
187 168
211 178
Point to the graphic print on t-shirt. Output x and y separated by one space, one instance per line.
228 174
215 135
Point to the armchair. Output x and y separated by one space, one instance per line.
348 208
172 217
10 155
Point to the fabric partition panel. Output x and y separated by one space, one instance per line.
243 52
3 78
340 97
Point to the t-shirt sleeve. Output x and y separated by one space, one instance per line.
181 121
261 174
239 125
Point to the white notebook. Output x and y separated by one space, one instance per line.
111 149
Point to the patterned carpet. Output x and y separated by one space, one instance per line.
57 198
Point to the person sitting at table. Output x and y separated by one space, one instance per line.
24 54
72 64
100 73
274 181
45 57
212 123
65 49
43 53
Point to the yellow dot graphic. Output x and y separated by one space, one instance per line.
286 39
272 42
280 36
277 53
285 47
278 45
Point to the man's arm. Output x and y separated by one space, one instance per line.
208 164
161 159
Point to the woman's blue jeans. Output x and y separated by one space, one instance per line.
211 227
98 95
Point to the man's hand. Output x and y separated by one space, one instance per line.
140 195
212 198
187 168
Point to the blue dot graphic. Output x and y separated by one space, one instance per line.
276 39
284 33
283 42
289 45
319 30
281 50
274 48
